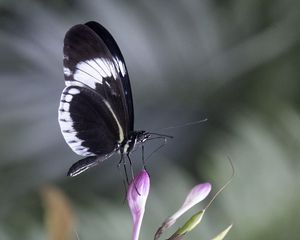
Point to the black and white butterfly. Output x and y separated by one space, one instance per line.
96 113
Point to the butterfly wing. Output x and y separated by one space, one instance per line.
96 112
86 122
116 53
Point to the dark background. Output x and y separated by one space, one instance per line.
233 62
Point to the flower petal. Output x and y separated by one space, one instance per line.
196 195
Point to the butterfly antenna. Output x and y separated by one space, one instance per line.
184 125
161 135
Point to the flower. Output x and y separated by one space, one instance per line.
137 196
197 194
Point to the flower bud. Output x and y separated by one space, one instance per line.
137 196
197 194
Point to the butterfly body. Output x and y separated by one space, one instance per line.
134 138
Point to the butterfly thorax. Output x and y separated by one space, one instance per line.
132 140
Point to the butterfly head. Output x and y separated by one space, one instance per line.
142 136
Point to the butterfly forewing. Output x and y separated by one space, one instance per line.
96 112
119 59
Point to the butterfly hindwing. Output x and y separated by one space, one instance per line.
86 122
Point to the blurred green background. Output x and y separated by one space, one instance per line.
233 62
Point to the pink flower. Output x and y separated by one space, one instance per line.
197 194
137 196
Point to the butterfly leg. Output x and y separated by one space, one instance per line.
124 180
155 150
131 167
143 157
122 161
132 173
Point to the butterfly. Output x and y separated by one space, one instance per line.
96 114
